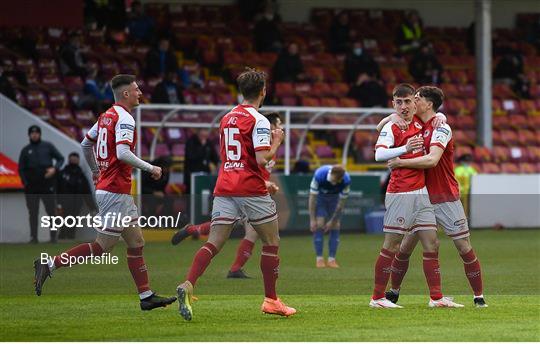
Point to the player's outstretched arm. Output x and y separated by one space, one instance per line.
123 152
426 161
385 154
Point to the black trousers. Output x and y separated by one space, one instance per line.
33 196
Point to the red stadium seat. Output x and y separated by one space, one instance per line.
178 150
324 152
47 66
52 82
509 167
501 153
340 89
224 98
463 150
35 98
58 99
348 102
63 116
509 137
329 102
42 113
490 167
501 122
464 122
302 89
85 117
527 137
497 107
321 89
74 83
309 101
289 101
526 167
284 89
534 154
25 65
529 107
482 154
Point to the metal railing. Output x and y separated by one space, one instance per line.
289 111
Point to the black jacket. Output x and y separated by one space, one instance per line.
161 93
288 67
359 64
153 63
74 187
34 159
199 156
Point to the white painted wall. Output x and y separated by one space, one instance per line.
512 200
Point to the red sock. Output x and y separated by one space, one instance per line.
433 274
270 270
400 265
242 254
382 273
83 250
138 269
473 272
201 229
202 259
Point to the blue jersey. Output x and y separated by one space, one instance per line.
320 184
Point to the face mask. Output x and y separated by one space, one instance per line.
358 51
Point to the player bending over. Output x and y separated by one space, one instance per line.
408 209
114 137
328 192
246 145
245 248
443 192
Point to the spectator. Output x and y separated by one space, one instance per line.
509 70
97 93
161 59
6 88
359 62
71 59
37 172
288 66
157 201
301 166
340 34
369 92
409 33
464 172
168 91
141 26
73 190
266 33
424 66
201 156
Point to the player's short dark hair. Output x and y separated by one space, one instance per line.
272 117
403 90
121 80
251 83
433 94
338 171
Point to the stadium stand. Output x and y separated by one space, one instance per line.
212 46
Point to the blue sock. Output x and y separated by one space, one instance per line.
333 243
318 242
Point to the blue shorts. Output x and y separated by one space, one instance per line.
326 205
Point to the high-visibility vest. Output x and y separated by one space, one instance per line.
415 33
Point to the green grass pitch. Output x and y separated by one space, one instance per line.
99 303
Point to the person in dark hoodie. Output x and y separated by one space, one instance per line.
73 191
37 171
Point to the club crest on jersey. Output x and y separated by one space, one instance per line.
427 132
400 220
417 125
106 120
